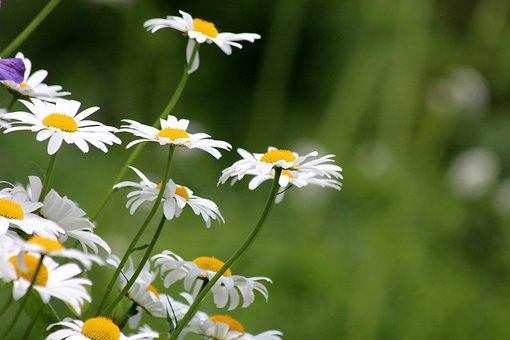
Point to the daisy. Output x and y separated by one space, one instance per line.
16 211
32 85
195 274
7 271
94 328
173 131
62 122
175 198
200 31
12 69
67 215
295 165
51 281
224 327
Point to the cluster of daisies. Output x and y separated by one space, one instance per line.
40 229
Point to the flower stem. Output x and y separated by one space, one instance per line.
6 306
134 155
139 269
9 329
249 240
30 28
47 177
132 245
11 104
33 319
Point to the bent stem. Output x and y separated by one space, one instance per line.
139 269
9 329
134 155
133 243
30 28
200 297
47 177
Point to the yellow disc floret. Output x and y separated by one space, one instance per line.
274 156
172 133
46 243
11 209
181 191
233 324
212 264
151 288
61 121
205 27
28 270
100 328
25 86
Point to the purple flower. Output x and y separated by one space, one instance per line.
12 69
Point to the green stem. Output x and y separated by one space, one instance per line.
130 312
32 323
11 104
47 177
198 300
7 305
134 155
30 28
139 269
128 252
9 329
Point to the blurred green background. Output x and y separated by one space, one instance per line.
412 97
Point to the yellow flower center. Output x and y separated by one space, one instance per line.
28 272
11 209
25 86
212 264
172 133
287 173
46 243
151 288
205 27
278 155
61 121
100 328
181 191
233 324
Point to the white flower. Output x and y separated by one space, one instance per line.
67 215
51 281
200 31
173 131
32 85
3 123
224 327
194 273
16 211
7 271
93 329
296 170
175 198
61 121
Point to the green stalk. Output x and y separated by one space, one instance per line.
47 177
33 319
7 305
194 307
134 155
9 329
139 269
132 245
30 28
11 104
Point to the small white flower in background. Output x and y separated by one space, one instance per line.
60 122
175 198
53 280
3 123
173 131
32 85
224 327
200 31
67 215
16 211
473 172
194 273
93 329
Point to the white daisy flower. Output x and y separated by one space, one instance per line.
173 131
7 271
297 170
32 85
16 211
200 31
195 273
68 216
61 121
3 123
175 198
51 281
93 329
224 327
